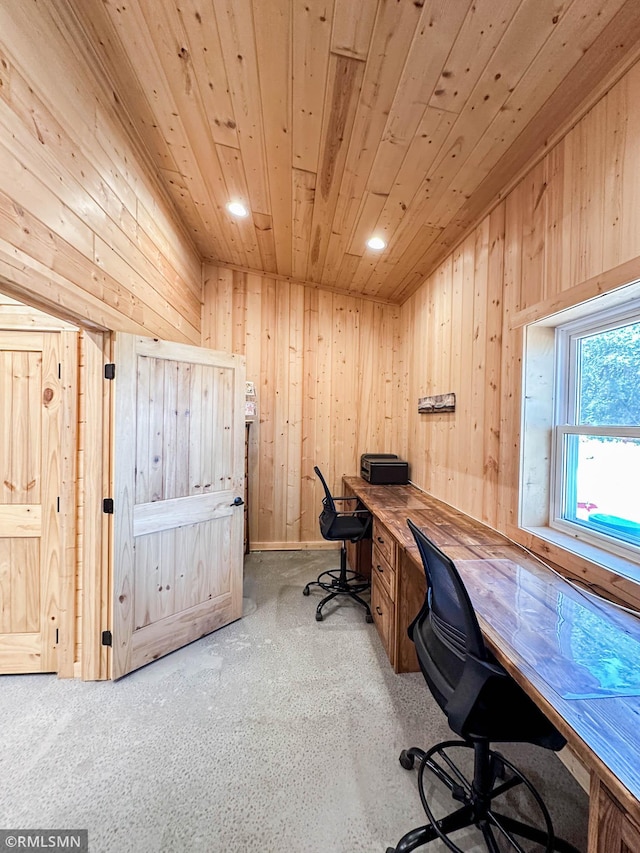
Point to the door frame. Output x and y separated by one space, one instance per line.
63 610
83 588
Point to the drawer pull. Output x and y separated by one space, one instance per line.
378 611
380 569
380 539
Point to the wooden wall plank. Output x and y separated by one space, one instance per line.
323 365
73 188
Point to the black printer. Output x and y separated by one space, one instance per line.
384 469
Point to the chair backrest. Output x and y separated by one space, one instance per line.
328 498
446 632
478 696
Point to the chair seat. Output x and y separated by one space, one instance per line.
345 527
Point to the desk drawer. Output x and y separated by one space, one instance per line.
384 542
383 613
384 572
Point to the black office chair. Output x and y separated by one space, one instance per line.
349 524
483 704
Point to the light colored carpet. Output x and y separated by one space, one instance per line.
275 733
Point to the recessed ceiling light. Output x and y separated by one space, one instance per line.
376 243
237 208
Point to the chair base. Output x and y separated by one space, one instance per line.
340 581
478 801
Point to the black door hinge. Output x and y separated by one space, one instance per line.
109 371
107 506
107 638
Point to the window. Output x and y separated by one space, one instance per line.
595 464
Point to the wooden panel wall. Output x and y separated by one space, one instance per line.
328 377
85 231
568 232
452 329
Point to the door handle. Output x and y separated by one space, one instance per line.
378 611
237 502
380 569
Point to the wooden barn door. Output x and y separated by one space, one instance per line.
31 558
179 466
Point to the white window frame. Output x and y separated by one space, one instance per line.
565 416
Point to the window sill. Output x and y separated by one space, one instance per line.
620 566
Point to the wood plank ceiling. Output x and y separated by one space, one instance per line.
334 120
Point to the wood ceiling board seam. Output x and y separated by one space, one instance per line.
235 25
521 157
202 36
409 178
352 28
530 90
403 193
415 250
477 40
272 29
185 106
236 184
402 239
364 226
411 89
264 233
312 25
347 271
338 116
393 35
304 190
520 39
432 39
167 122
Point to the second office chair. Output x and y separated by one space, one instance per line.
343 525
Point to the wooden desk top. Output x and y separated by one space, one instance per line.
576 656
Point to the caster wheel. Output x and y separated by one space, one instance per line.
306 590
406 760
369 618
319 617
